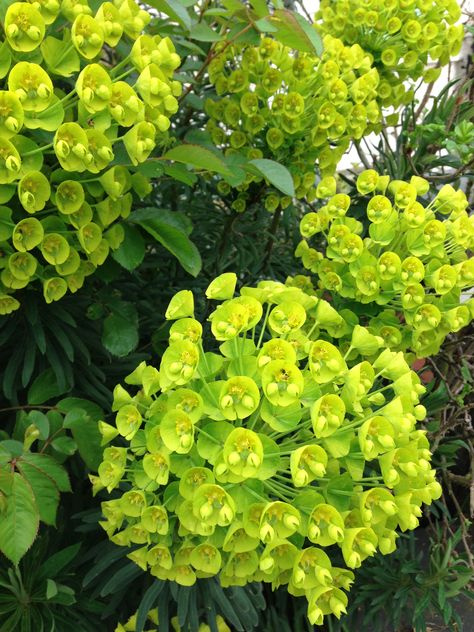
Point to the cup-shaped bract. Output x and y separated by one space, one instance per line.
63 101
296 108
413 266
406 40
251 460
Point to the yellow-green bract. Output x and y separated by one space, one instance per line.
298 433
412 265
66 102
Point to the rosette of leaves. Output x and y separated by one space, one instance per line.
275 457
411 267
85 96
297 109
407 40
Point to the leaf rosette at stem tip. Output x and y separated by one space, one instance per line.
413 266
250 460
89 100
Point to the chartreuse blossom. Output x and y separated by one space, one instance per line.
64 113
152 623
407 40
297 109
412 265
296 433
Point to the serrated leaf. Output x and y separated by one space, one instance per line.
276 174
20 519
131 252
198 157
45 491
294 31
48 466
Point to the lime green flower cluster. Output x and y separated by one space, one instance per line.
295 109
411 263
402 36
248 461
153 624
67 98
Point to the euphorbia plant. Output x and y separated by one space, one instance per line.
410 267
298 109
74 85
407 39
272 457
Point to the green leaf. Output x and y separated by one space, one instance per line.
44 388
45 491
64 445
6 224
181 173
339 491
51 589
86 435
294 31
276 174
119 336
203 33
49 119
48 466
174 10
20 519
152 168
60 56
147 603
265 26
171 237
55 563
198 157
131 252
40 420
5 55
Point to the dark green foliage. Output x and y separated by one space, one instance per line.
44 591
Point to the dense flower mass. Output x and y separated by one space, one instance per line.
296 109
68 99
277 456
152 624
407 39
411 267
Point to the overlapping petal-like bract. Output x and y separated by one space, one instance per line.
62 102
413 265
296 434
297 109
407 40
